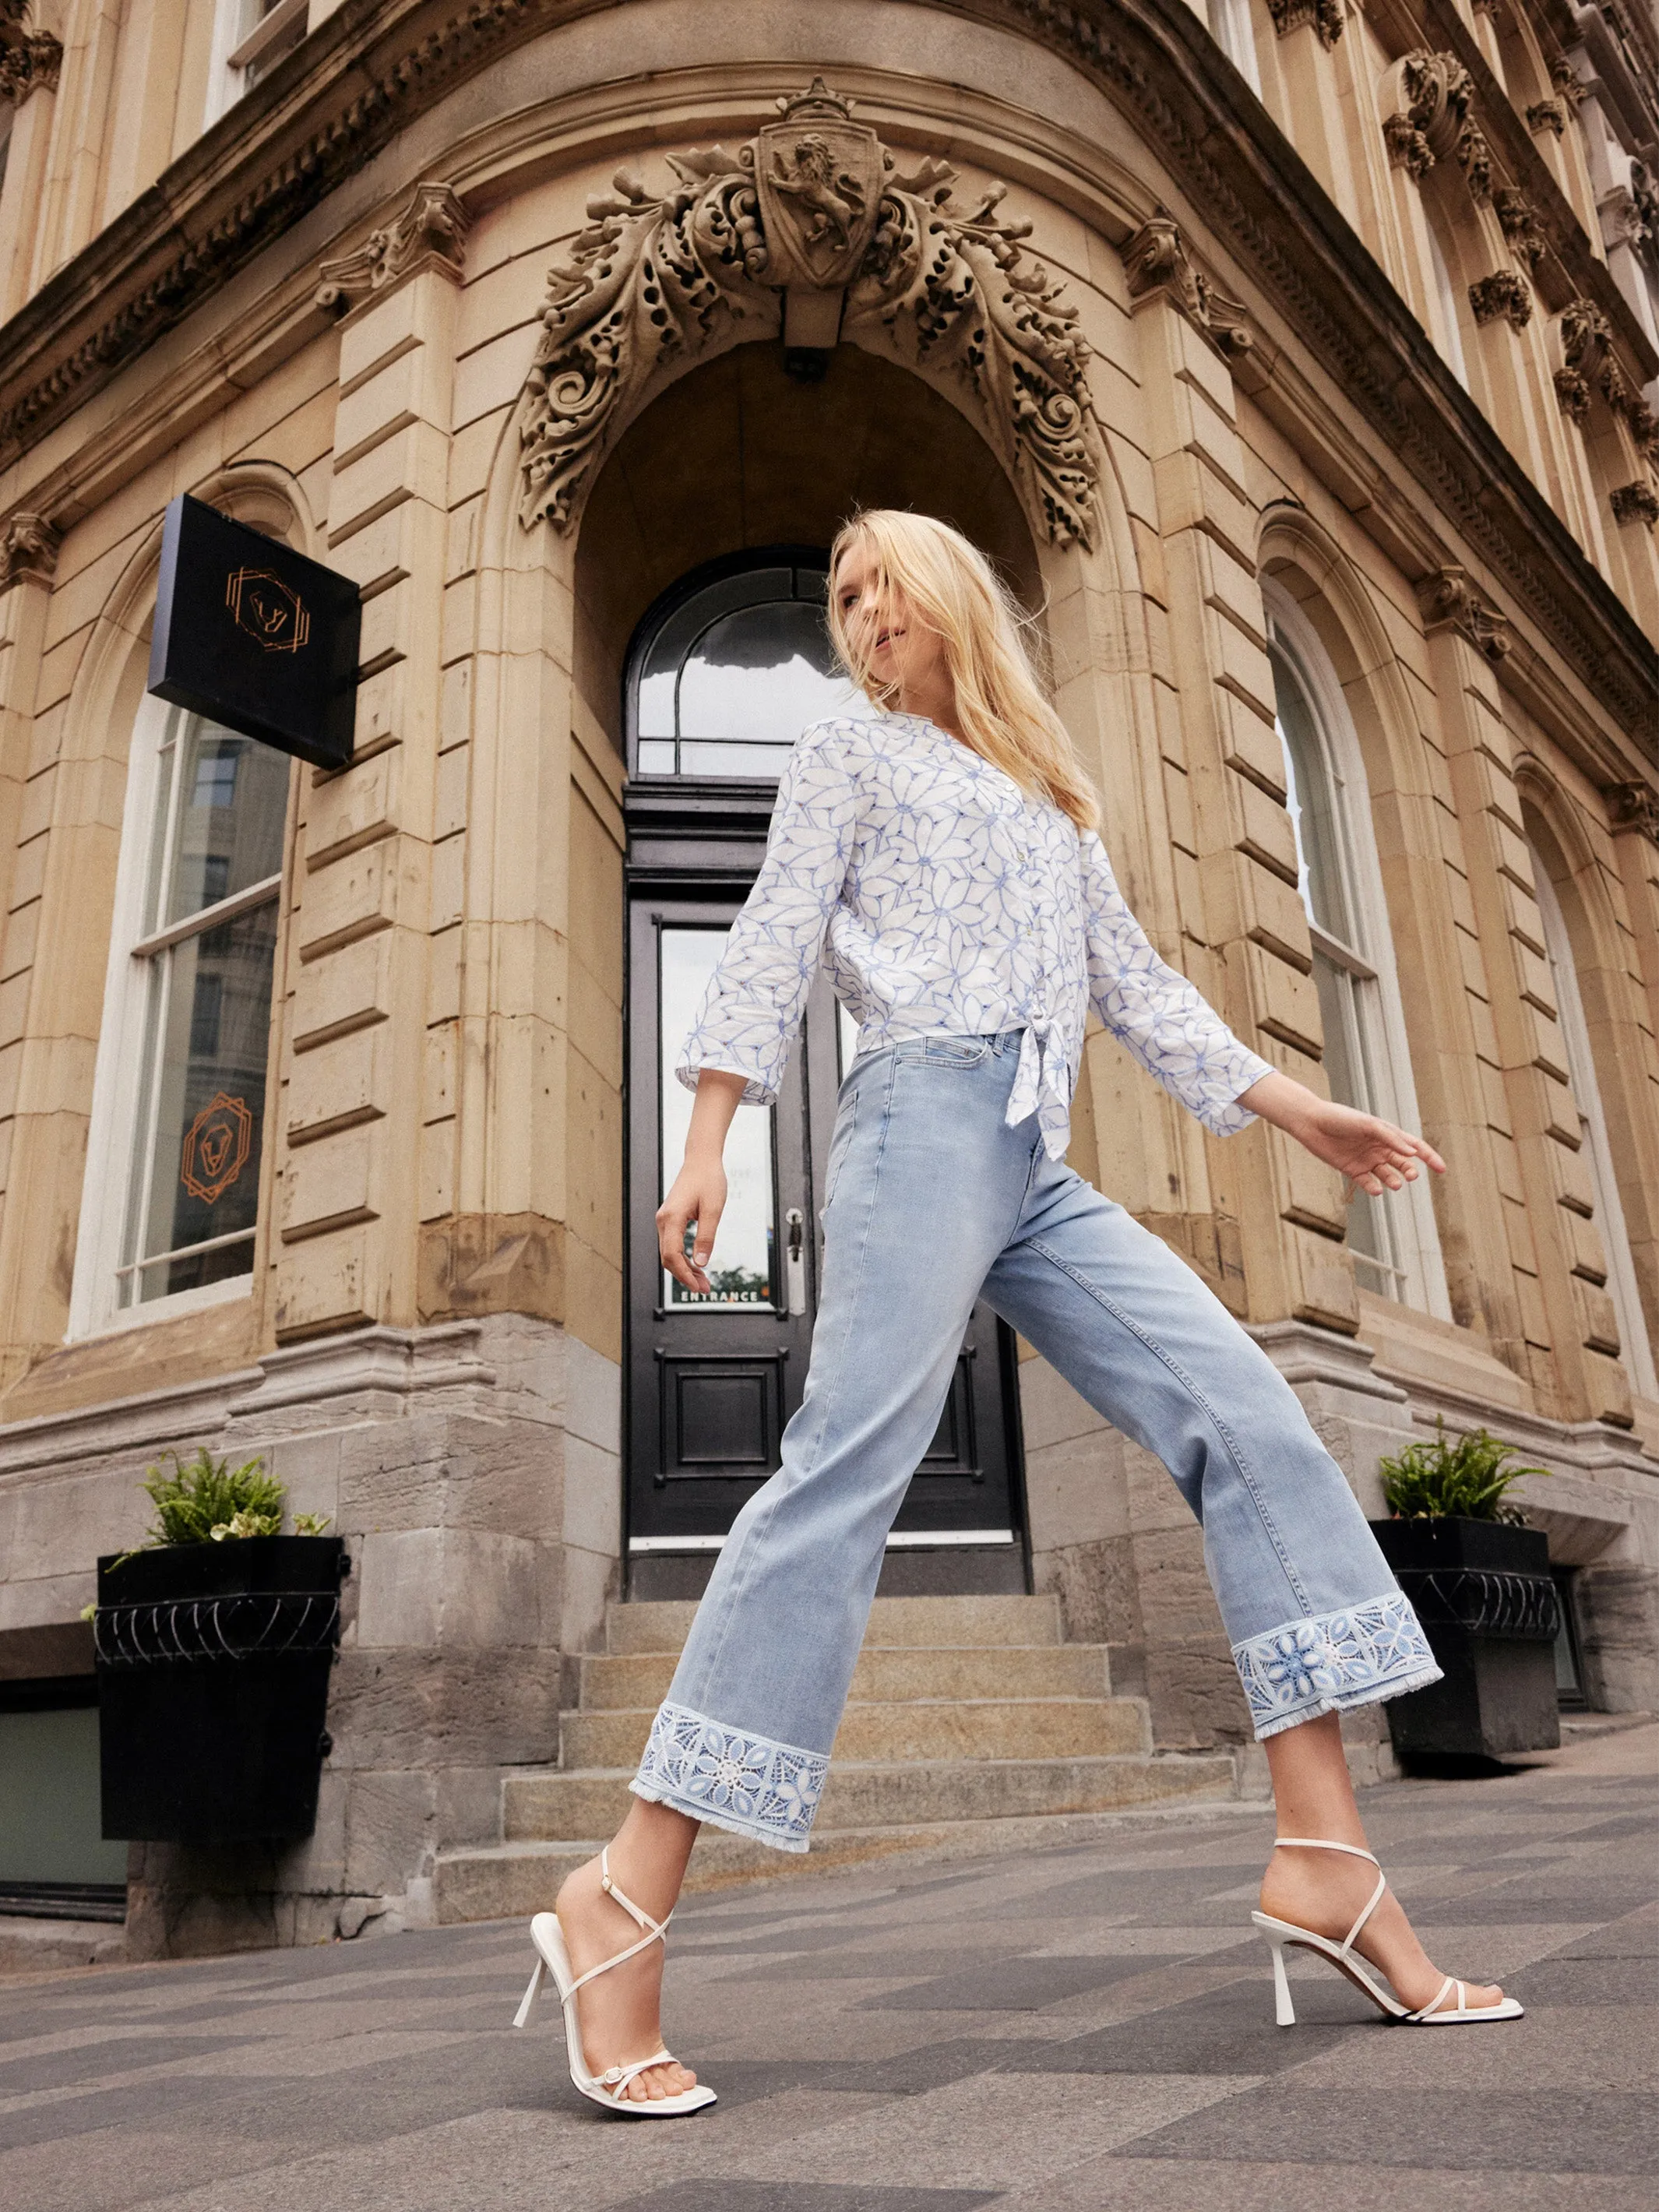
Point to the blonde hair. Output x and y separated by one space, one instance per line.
1001 710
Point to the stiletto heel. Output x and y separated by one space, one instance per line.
1348 1960
551 1957
1284 2010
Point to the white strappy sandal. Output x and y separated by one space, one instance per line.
606 2088
1348 1960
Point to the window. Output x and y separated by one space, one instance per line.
1395 1245
173 1175
1635 1348
1230 28
1449 336
250 38
731 672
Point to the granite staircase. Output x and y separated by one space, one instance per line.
971 1725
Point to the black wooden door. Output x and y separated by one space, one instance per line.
714 1378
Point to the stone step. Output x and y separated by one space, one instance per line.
509 1881
502 1881
553 1807
953 1728
661 1624
616 1682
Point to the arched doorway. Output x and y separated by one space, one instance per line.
716 678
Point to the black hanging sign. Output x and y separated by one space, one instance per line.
255 636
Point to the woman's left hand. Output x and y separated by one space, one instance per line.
1373 1154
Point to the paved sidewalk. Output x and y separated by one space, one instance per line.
1078 2031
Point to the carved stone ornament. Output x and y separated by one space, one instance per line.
1519 220
1327 17
1503 294
1426 98
28 547
1448 597
1155 259
1568 84
430 231
1635 503
1546 115
1634 806
29 60
1625 221
812 203
1588 361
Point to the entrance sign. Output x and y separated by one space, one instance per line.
255 636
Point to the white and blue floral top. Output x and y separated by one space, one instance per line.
953 905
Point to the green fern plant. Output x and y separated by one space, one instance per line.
1470 1477
206 1499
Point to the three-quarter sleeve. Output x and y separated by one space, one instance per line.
753 1005
1162 1018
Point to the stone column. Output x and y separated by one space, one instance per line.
28 556
1568 1342
29 71
1287 1208
356 1047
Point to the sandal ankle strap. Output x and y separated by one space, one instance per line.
1353 1851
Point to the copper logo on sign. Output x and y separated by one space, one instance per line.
270 611
216 1147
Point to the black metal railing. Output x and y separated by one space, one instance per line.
198 1630
1485 1601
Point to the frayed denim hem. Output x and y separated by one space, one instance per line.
701 1767
1347 1704
1331 1663
733 1823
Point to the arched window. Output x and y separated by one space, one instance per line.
1635 1346
1395 1243
1231 29
731 666
1448 335
171 1195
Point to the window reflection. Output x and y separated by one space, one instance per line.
746 1241
733 675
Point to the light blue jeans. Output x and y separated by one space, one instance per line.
932 1201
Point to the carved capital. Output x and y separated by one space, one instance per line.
1625 221
812 203
1519 220
1426 102
1326 16
29 61
1588 363
1155 259
1634 806
1546 115
1503 294
1635 503
1568 85
28 547
430 232
1448 600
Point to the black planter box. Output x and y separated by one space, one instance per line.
213 1670
1483 1593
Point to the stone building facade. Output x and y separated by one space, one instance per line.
1298 362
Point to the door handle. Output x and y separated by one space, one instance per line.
795 1260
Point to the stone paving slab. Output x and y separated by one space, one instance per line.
1084 2029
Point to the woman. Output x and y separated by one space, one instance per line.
941 857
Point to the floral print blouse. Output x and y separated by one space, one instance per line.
944 902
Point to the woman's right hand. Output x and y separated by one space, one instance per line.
699 1189
698 1195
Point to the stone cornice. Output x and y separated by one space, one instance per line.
374 66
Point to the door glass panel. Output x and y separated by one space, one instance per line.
742 1275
